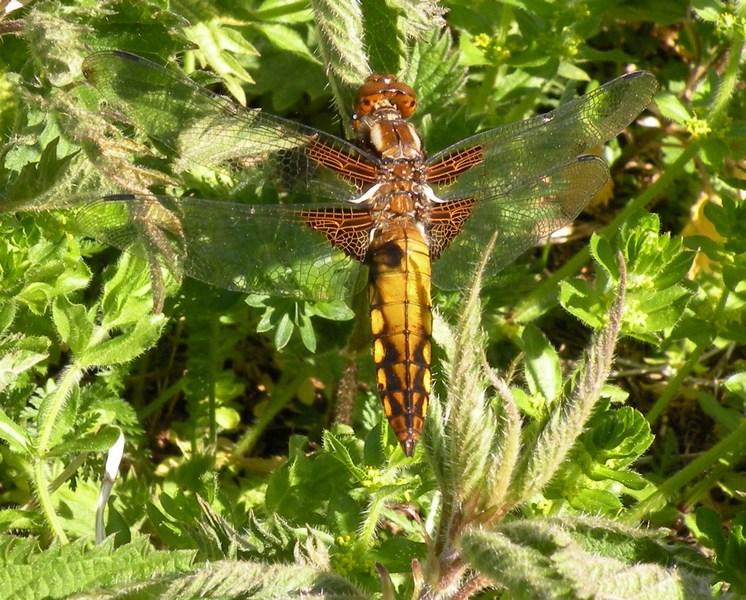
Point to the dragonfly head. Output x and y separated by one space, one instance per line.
384 92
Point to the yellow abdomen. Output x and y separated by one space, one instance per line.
401 324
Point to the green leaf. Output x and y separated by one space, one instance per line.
14 435
656 266
48 282
672 108
384 41
579 299
62 571
21 520
38 263
227 418
711 528
336 448
37 174
284 331
724 416
341 31
285 315
72 323
699 331
736 384
337 310
595 501
300 489
708 10
649 312
307 334
243 579
343 514
603 253
100 442
7 314
617 438
18 355
734 557
265 324
127 295
125 346
286 39
397 554
434 70
217 46
543 371
594 478
565 558
730 550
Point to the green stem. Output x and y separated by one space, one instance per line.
44 498
493 73
53 406
50 412
733 445
368 530
286 392
544 297
699 493
161 400
281 10
213 374
675 384
729 80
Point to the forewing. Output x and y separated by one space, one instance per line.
256 249
520 218
248 145
514 156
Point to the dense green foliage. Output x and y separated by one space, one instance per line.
586 388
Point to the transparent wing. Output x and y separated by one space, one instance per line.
258 249
250 146
517 154
520 218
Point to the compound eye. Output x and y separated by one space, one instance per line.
407 106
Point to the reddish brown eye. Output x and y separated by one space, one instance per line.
385 88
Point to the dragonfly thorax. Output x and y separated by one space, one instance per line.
407 144
401 169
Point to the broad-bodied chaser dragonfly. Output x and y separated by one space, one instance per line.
378 204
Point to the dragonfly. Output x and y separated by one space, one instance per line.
323 215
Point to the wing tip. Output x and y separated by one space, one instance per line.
126 55
646 77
